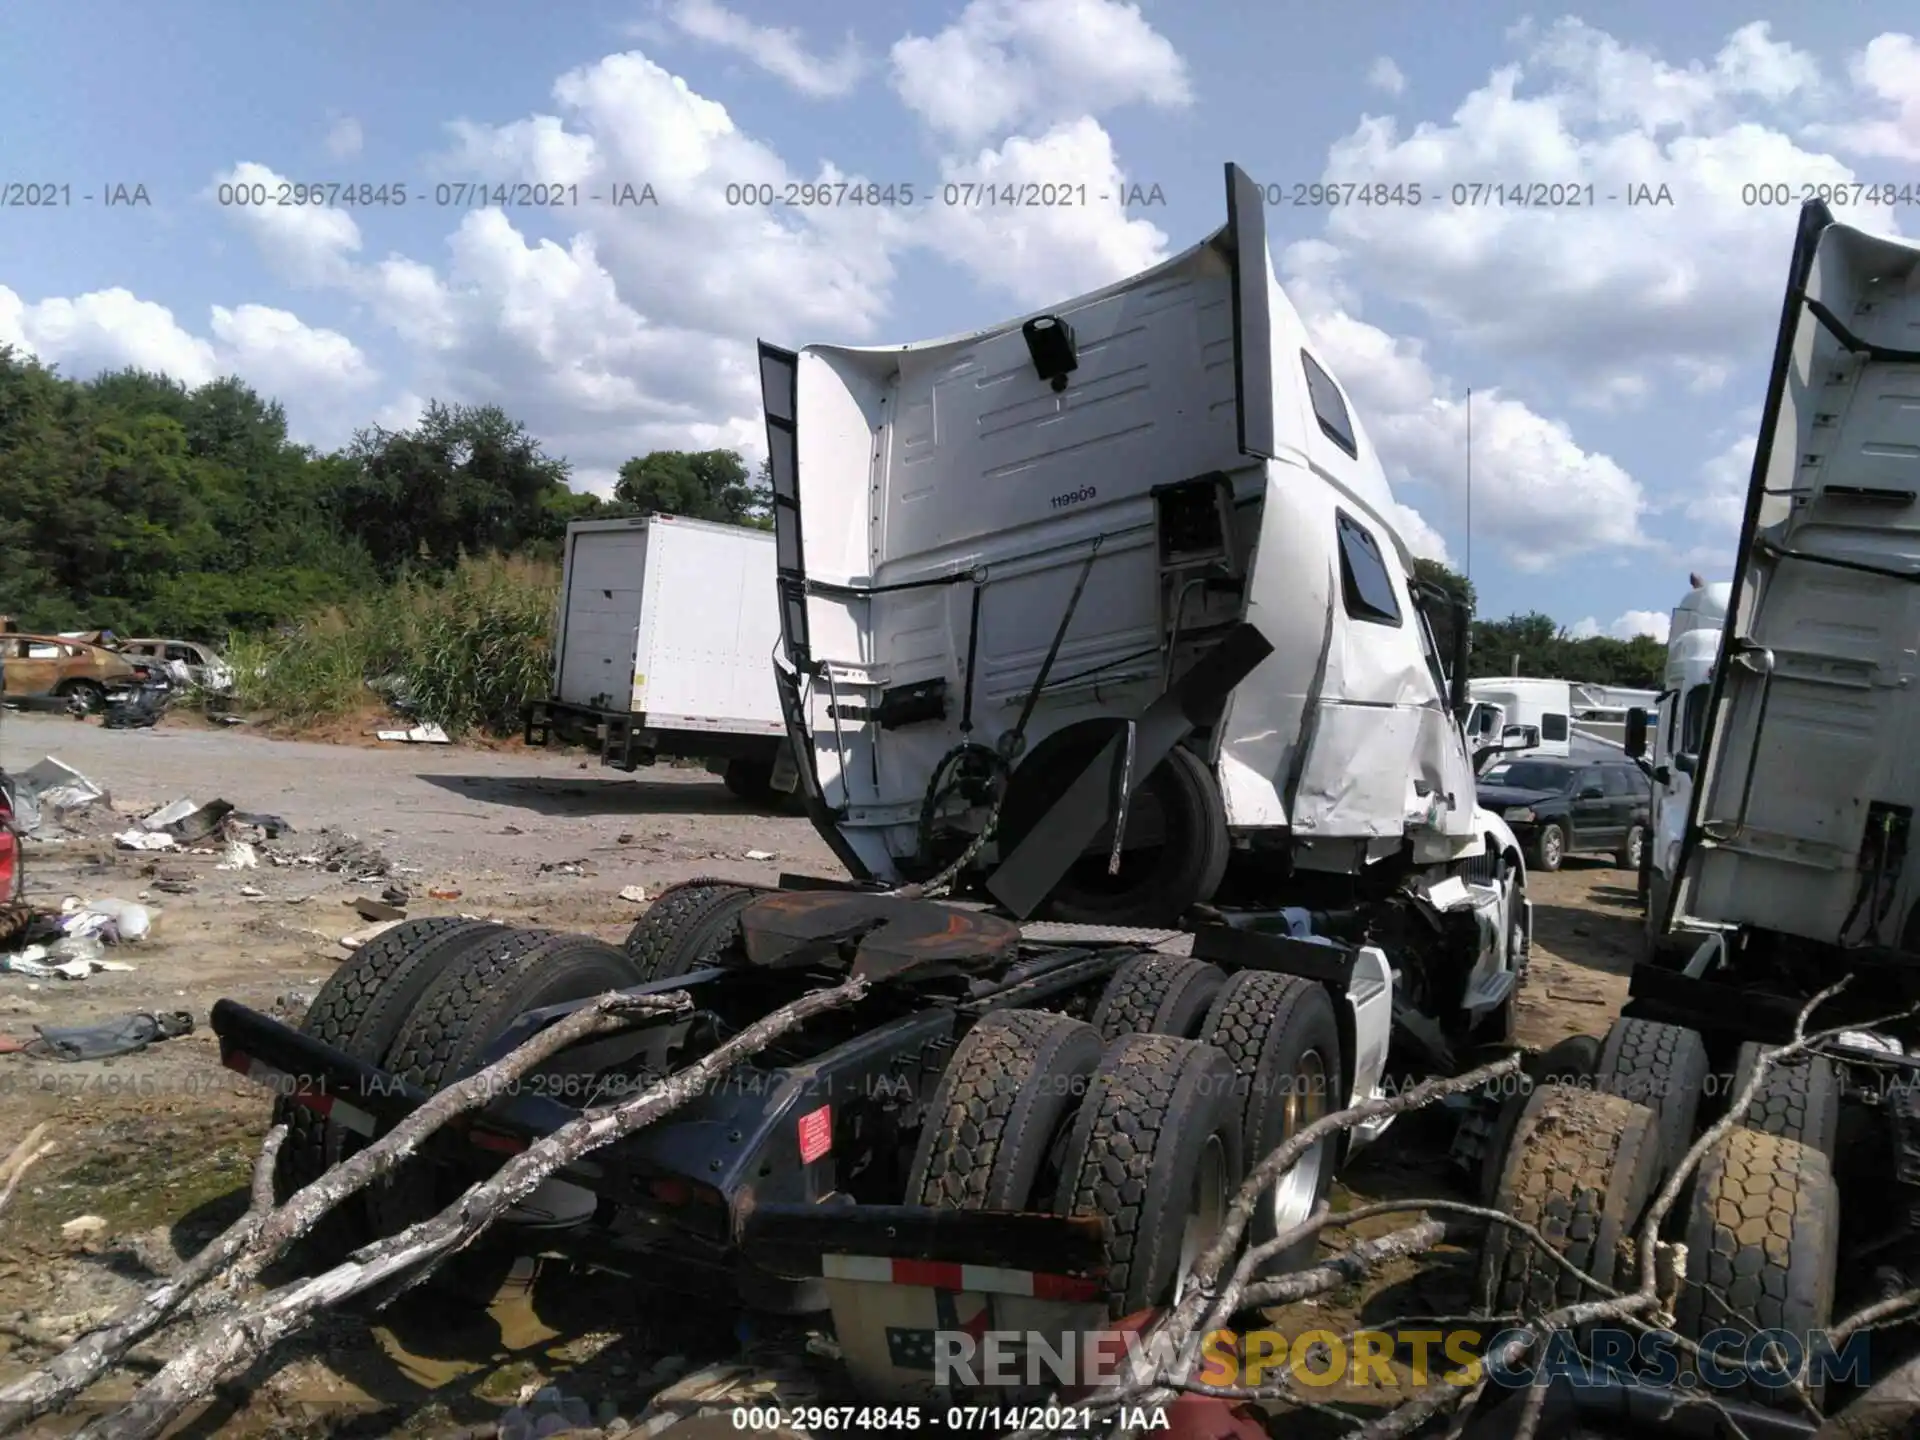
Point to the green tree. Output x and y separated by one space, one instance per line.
465 480
697 484
1434 573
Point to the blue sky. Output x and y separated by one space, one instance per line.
1616 354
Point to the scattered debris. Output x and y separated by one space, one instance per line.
271 826
565 867
372 932
175 887
396 895
50 790
113 920
63 960
144 840
83 1228
418 735
636 894
624 840
759 854
376 909
252 892
444 894
511 830
239 856
103 1039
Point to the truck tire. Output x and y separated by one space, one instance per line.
998 1112
1549 850
1281 1034
686 927
1762 1236
1633 849
464 1011
360 1010
1155 1151
1799 1100
1581 1170
1159 995
1570 1061
750 778
1663 1067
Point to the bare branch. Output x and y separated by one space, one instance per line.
34 1148
265 1233
228 1344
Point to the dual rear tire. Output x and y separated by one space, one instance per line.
1759 1217
1150 1116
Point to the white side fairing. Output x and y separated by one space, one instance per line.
947 499
1810 749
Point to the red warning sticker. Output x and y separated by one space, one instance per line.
816 1134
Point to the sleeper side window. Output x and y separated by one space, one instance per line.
1329 406
1364 577
1553 727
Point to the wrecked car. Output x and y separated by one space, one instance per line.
188 663
55 667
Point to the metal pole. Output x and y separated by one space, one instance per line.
1469 483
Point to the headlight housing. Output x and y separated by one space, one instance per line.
1521 814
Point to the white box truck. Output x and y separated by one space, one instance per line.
1569 719
664 646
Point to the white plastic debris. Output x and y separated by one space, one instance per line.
418 735
239 856
84 1227
130 922
169 814
634 894
252 892
143 840
759 855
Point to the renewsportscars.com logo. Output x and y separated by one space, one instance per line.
1769 1359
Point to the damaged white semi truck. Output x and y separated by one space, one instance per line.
1103 616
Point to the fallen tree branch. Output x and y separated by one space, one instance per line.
33 1148
228 1344
265 1233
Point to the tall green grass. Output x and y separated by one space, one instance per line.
466 652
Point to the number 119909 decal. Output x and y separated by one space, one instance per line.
1073 497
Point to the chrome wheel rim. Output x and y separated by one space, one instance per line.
1292 1198
1550 845
1206 1211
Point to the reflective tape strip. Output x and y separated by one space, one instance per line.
943 1275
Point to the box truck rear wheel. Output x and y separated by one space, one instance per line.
997 1124
1156 1152
1157 995
360 1010
1762 1236
1281 1035
750 777
1580 1169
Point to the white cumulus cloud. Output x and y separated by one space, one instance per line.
1383 74
1006 63
780 52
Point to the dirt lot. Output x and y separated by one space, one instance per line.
159 1145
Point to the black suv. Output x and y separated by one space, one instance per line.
1559 807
